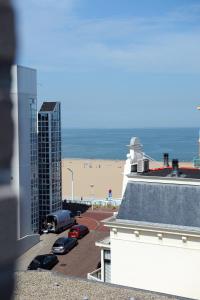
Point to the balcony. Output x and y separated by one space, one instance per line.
105 243
95 275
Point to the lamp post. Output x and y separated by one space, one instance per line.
72 174
92 193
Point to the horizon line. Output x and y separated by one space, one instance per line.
120 128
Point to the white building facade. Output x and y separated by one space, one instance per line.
154 239
25 160
153 258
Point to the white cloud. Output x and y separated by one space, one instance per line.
55 38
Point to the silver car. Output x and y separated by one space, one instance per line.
64 245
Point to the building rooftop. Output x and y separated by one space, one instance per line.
48 285
192 173
161 203
48 106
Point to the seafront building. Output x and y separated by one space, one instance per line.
137 161
49 154
154 241
25 160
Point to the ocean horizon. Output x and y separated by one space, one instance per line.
96 143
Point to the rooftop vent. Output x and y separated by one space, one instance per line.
175 164
166 159
176 172
175 168
143 165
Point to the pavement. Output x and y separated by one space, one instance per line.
80 260
93 218
43 247
83 258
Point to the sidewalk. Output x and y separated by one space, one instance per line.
43 247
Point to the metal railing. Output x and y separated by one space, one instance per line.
96 202
95 275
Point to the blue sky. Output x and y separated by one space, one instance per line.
115 63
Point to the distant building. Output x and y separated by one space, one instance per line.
154 241
49 154
25 159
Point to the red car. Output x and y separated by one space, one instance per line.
78 231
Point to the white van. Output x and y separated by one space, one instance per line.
58 221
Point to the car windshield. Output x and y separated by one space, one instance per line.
38 259
68 241
56 244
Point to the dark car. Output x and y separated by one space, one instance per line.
46 261
64 245
78 231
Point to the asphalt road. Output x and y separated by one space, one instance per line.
83 258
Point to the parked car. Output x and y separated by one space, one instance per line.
64 245
78 231
46 261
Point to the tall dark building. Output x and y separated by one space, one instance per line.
49 156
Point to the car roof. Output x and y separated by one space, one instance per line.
41 257
61 239
78 226
59 213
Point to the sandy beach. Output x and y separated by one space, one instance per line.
93 178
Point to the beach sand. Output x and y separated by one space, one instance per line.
93 178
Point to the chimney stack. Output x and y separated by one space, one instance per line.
175 167
166 159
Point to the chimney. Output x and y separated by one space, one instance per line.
166 159
175 168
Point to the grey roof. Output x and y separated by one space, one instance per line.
161 203
48 106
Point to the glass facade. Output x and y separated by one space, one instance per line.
34 166
49 155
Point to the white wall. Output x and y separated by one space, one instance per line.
146 262
15 159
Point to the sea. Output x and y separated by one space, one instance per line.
180 143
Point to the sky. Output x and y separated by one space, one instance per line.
114 63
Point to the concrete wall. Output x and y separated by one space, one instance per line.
27 242
168 264
7 197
